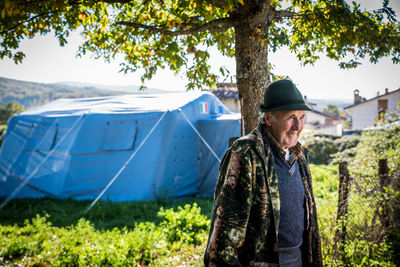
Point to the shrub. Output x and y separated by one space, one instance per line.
377 144
187 225
8 110
394 241
359 252
39 243
324 147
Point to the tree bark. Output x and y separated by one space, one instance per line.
252 76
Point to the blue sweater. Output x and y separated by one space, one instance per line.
292 196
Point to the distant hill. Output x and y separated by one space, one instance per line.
31 94
323 103
133 89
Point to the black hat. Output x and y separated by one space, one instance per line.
283 95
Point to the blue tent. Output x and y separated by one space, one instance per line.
129 147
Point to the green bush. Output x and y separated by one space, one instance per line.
185 226
321 146
374 145
359 252
39 243
394 241
324 147
363 152
8 110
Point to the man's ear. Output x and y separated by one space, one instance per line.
268 119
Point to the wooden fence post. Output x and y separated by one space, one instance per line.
344 190
383 173
384 181
389 208
396 209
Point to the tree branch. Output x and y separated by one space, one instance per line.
217 3
73 3
218 25
279 14
29 19
118 1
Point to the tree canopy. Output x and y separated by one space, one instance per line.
332 109
178 34
8 110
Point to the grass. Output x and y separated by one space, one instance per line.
325 182
105 215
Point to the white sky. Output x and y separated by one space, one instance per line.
47 62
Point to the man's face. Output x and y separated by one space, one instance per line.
286 127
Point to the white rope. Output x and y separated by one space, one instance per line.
16 191
202 139
126 163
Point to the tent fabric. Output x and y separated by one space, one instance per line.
226 126
72 148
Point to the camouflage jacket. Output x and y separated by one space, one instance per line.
245 218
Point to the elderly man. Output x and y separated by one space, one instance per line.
264 211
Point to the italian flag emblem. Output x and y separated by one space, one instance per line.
203 107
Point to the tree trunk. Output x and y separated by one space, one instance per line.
252 76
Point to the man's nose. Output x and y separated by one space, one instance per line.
296 124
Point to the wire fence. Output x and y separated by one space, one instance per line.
368 210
